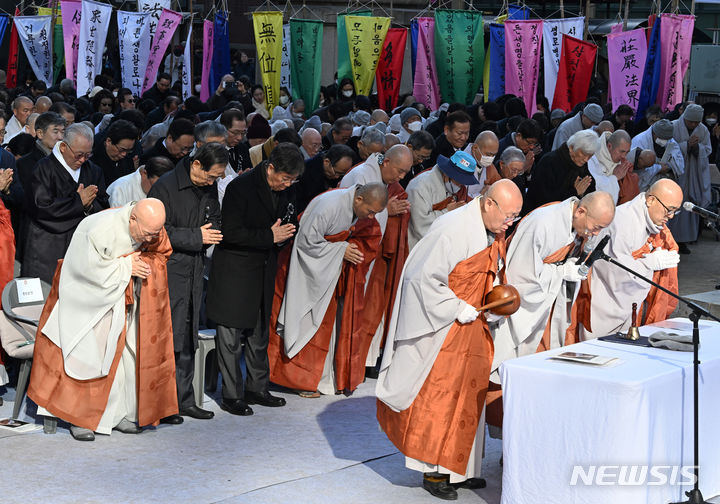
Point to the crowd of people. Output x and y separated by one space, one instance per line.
331 246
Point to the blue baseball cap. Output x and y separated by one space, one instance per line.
460 167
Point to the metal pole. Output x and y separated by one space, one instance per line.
587 20
627 12
562 8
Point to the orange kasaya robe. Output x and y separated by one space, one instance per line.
629 187
83 402
440 425
658 305
7 252
304 370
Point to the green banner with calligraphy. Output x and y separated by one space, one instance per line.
344 68
306 60
459 54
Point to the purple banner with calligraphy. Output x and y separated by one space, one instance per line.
208 32
425 87
626 59
169 21
676 36
71 33
522 60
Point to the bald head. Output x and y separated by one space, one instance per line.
667 190
646 159
397 163
379 115
507 191
43 104
147 219
598 203
594 213
390 141
487 140
501 205
370 199
311 141
604 126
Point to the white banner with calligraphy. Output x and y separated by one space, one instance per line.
93 32
553 30
134 46
154 8
34 33
285 61
186 76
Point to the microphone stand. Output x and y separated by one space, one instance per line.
694 495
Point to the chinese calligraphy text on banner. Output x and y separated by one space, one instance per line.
34 33
522 60
93 32
208 29
71 13
268 40
577 60
306 60
553 30
365 37
459 53
676 36
57 39
425 87
389 69
154 8
626 60
134 47
169 21
343 58
186 77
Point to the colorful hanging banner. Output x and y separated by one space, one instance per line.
306 60
221 50
34 33
268 40
285 62
676 34
522 60
134 47
154 8
365 36
627 52
57 44
577 60
553 30
4 20
425 88
93 32
208 29
169 21
71 12
389 69
343 61
186 75
459 53
413 45
651 74
496 87
11 78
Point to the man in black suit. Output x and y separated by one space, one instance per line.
259 218
322 172
160 90
64 189
176 145
192 222
236 126
454 138
113 152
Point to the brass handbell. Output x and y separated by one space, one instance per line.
633 333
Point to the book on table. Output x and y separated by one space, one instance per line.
584 358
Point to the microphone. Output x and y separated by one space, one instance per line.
594 254
705 214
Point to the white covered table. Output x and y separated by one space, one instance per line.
638 413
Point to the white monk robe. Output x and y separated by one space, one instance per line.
541 286
672 157
424 191
601 167
89 316
313 273
614 290
126 189
695 181
367 173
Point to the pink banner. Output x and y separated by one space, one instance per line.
71 35
626 58
425 88
207 60
676 36
168 23
522 60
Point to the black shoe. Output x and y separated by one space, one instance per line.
195 412
127 427
172 420
372 373
684 249
236 407
470 483
81 434
264 399
440 489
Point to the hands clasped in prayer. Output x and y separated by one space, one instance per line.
6 177
282 232
582 184
87 194
397 206
140 268
353 254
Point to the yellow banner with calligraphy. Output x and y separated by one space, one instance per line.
366 36
268 28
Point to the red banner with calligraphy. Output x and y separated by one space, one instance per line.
389 69
577 60
11 77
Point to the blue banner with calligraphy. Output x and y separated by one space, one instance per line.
221 50
651 75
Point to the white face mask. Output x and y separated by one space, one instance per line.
415 126
284 100
451 187
347 93
198 88
486 161
711 121
115 94
661 142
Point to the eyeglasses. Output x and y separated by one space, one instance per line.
508 220
238 132
284 179
131 100
79 156
668 211
122 150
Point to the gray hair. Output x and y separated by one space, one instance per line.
372 136
512 154
78 130
584 140
616 138
66 85
208 129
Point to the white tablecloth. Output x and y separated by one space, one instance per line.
638 413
